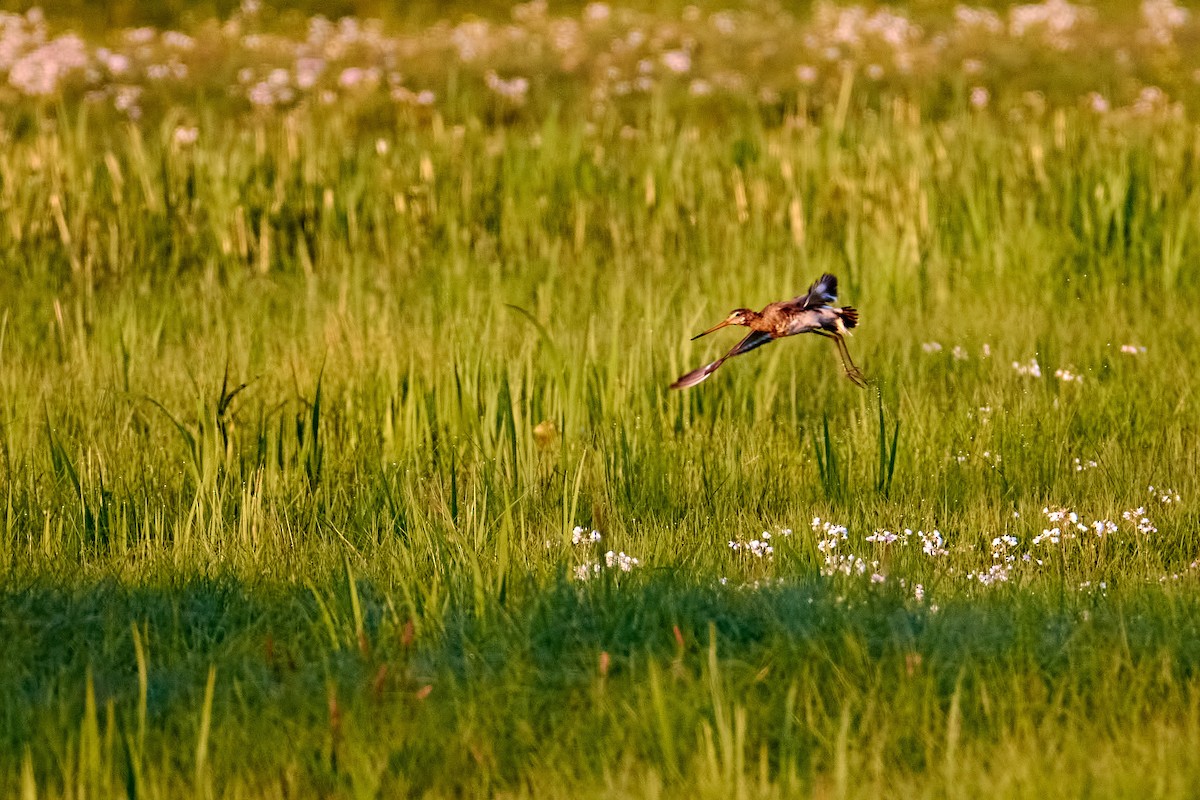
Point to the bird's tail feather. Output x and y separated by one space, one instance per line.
849 316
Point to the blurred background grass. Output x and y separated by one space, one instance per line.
78 14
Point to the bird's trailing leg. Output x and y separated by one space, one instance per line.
852 372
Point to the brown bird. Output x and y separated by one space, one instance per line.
812 312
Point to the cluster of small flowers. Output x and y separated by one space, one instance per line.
848 564
831 534
1002 546
759 548
514 90
855 28
1190 569
1007 556
983 414
1165 496
590 569
1002 557
1133 349
1066 376
1032 369
932 544
1068 524
1153 101
677 61
996 573
1081 465
1055 534
993 459
1098 103
1054 21
273 90
1162 18
185 135
36 64
1051 535
613 51
984 19
581 536
958 352
626 563
1139 519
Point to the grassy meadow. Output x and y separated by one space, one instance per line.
337 457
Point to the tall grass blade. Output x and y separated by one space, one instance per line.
887 454
828 467
663 724
313 447
202 785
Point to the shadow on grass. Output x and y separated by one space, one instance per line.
307 674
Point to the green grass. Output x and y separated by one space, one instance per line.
295 428
774 690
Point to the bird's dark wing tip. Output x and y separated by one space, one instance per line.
824 290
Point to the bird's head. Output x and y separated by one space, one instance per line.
739 316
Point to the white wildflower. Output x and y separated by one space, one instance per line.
678 61
1066 376
1165 496
1032 369
185 135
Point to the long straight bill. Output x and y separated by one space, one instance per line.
716 327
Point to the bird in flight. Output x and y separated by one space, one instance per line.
811 312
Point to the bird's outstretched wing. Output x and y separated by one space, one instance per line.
753 339
823 292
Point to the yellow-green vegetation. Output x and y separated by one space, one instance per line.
337 456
